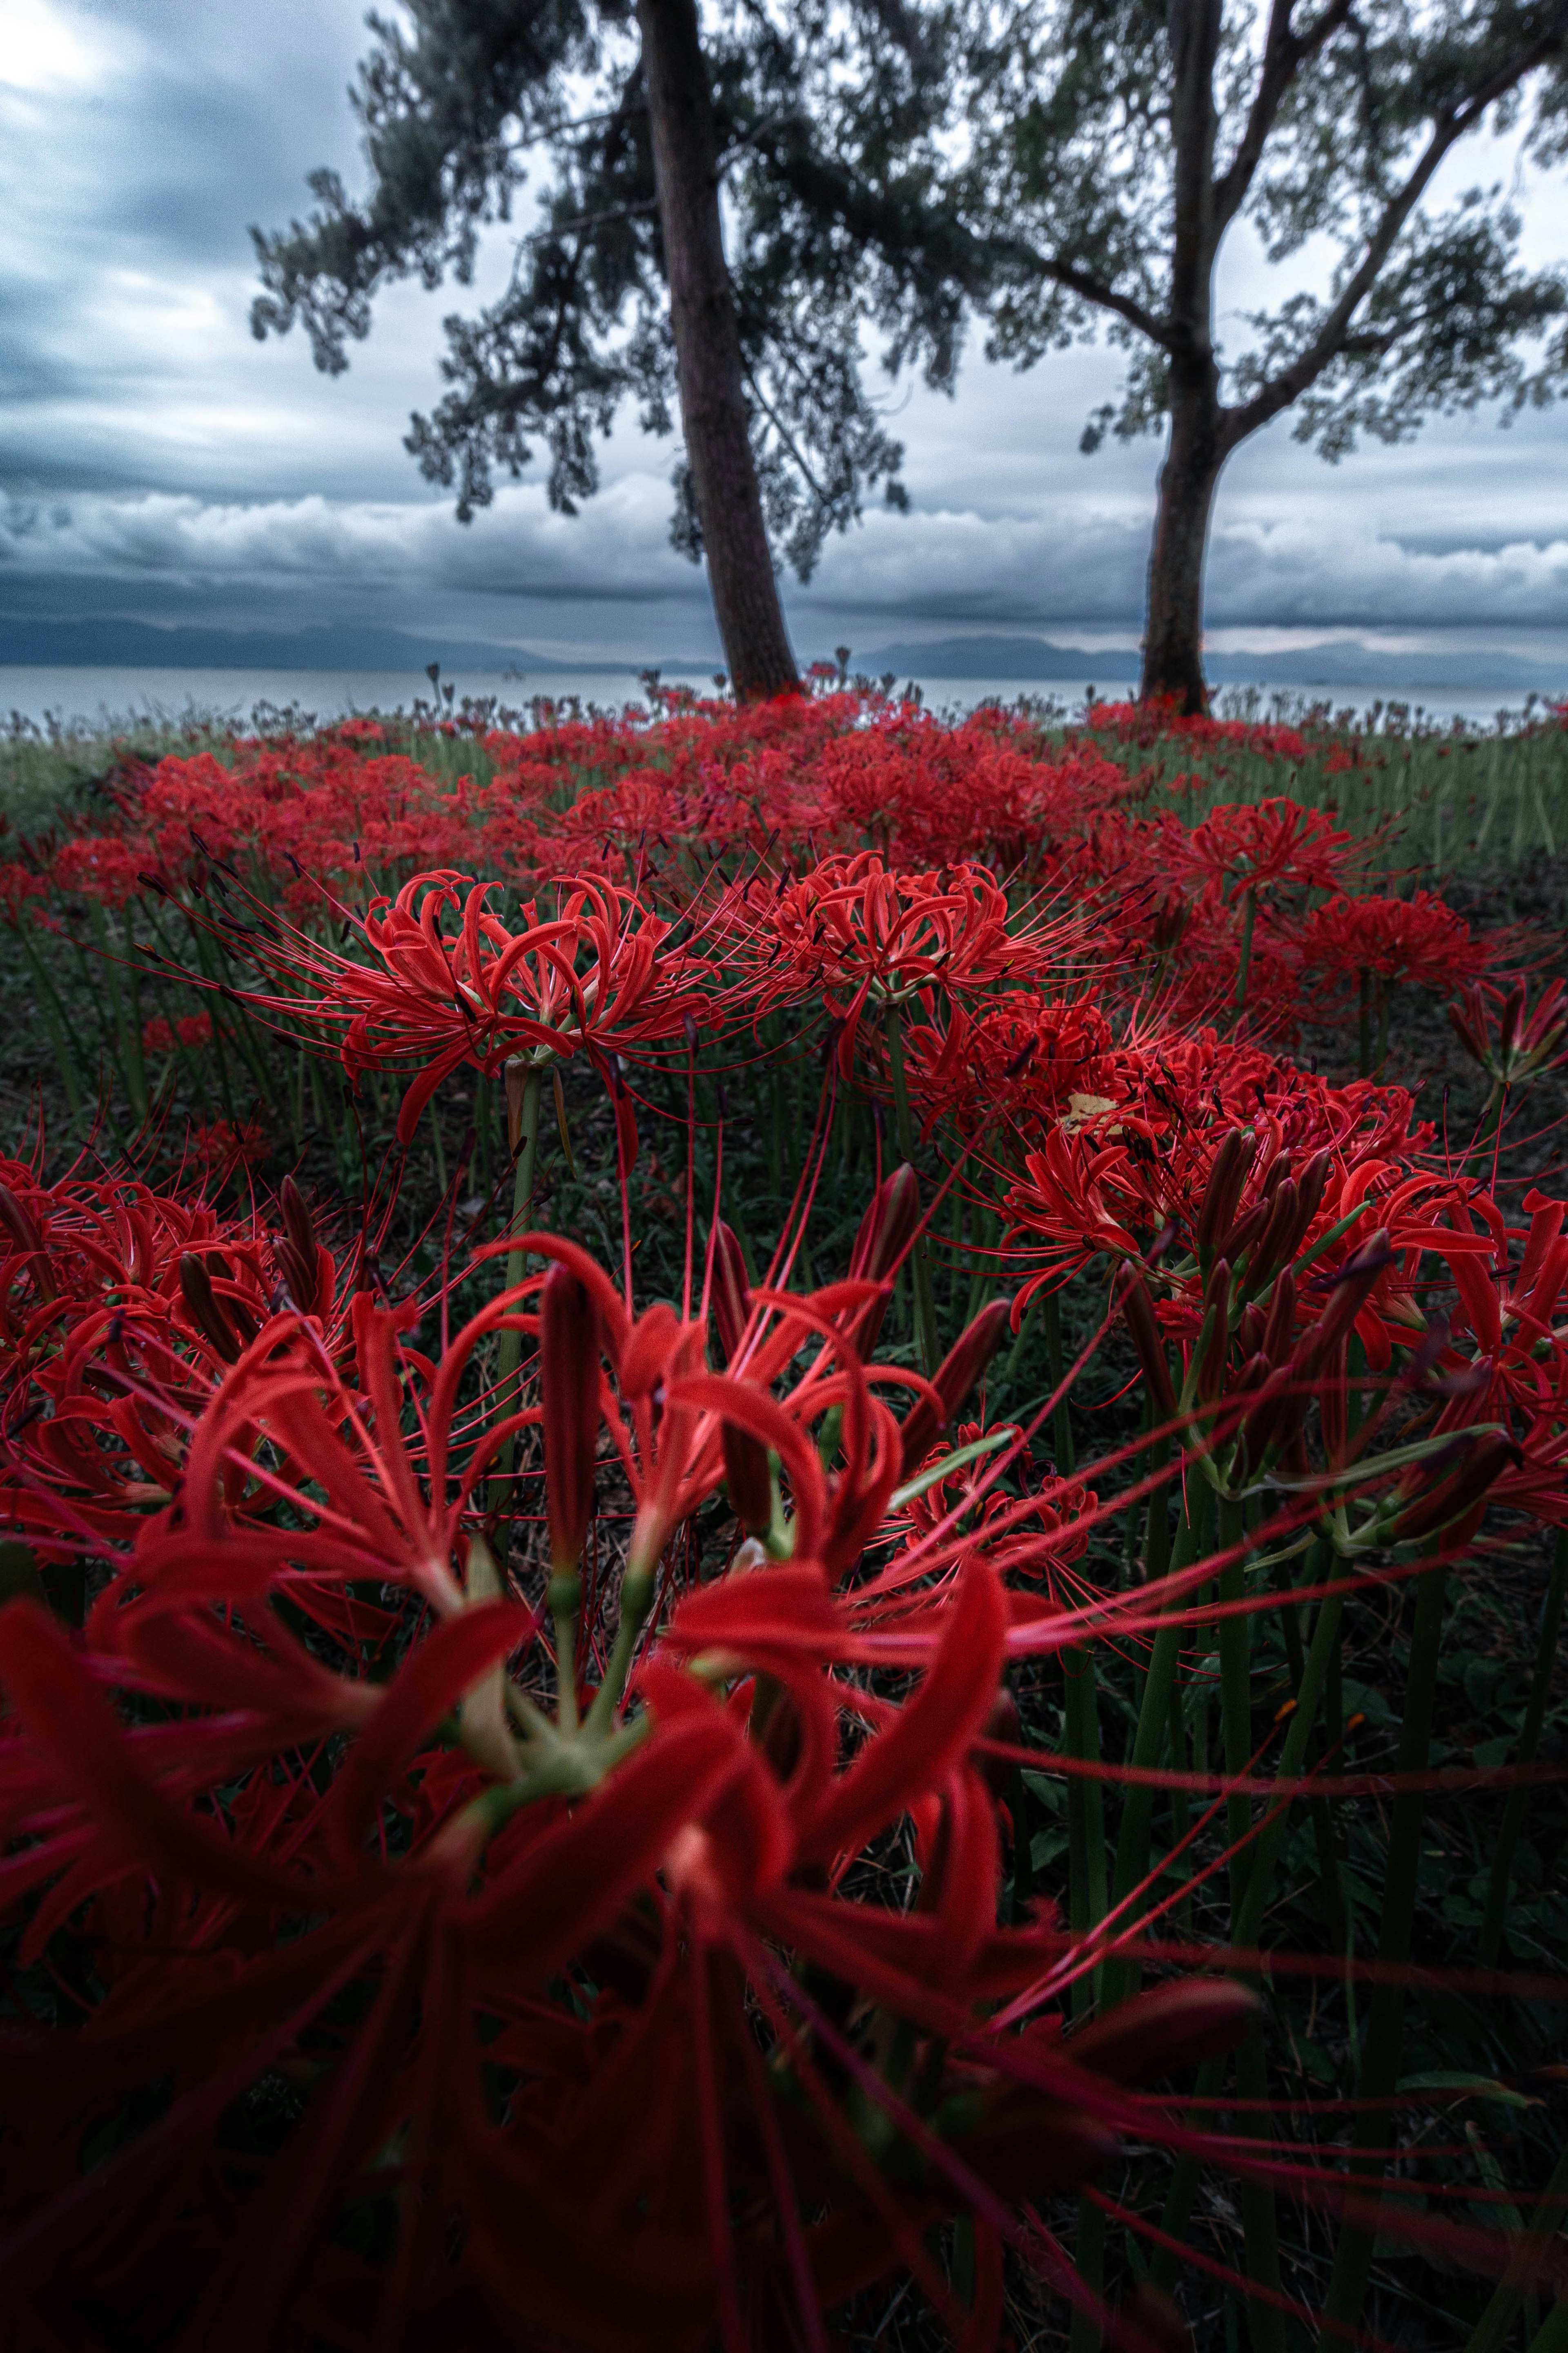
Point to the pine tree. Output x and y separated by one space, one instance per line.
620 291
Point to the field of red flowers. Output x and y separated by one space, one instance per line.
781 1562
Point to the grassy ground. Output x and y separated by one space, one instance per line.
1484 819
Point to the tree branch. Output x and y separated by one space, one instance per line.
1284 52
1091 289
1303 372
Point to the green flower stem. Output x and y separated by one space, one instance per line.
440 1148
1083 2333
1121 1978
1386 2012
919 1257
1552 2337
1495 1912
1235 1694
1492 1119
1495 2325
1365 1011
565 1598
509 1355
133 989
67 1054
1248 1918
1086 1795
636 1601
110 972
1259 2222
1014 1353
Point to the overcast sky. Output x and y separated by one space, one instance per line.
156 462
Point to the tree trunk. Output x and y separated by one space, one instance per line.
708 354
1174 643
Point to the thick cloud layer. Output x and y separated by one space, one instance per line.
159 464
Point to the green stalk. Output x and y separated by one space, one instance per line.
919 1257
1062 1417
1259 2222
117 1008
1495 2325
1552 2337
1014 1353
1386 2012
509 1355
1181 1806
440 1149
482 1131
1248 1920
1384 1007
1498 1887
57 1023
1366 1022
1121 1978
133 985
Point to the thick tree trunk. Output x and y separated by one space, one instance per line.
708 354
1173 644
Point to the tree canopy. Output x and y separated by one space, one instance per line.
1052 169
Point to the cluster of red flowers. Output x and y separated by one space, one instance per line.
448 1787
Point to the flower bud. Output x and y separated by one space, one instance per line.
731 1291
887 1226
1310 1192
1173 2026
1275 1241
1452 1497
569 1386
1280 1328
297 1254
1223 1191
1353 1286
955 1377
1214 1343
206 1309
885 1233
1143 1331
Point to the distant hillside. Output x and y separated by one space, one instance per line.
112 644
1343 662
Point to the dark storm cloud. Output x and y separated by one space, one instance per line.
162 464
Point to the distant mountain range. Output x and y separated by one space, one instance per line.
1342 662
110 644
102 643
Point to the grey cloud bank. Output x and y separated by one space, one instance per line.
158 467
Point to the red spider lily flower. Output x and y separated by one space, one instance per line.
1419 940
603 974
1264 846
861 937
141 1302
18 885
1023 1054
